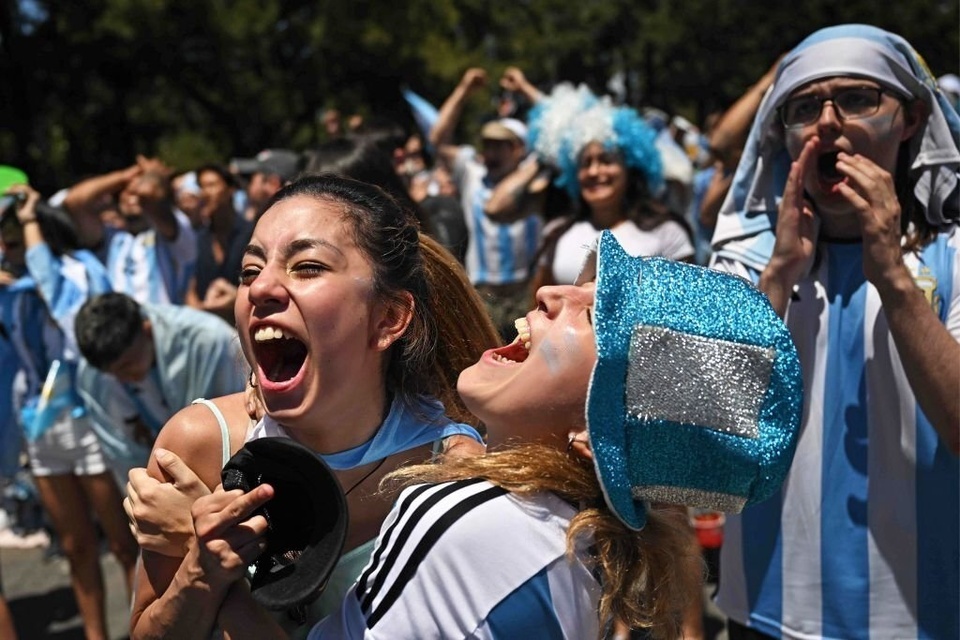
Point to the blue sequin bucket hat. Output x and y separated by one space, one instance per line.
697 392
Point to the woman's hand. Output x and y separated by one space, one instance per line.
228 538
871 192
796 234
159 512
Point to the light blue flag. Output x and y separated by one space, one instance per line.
56 397
424 113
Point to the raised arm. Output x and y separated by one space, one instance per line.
716 193
929 353
441 136
155 196
83 200
514 80
730 133
519 192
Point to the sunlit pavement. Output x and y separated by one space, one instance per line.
41 600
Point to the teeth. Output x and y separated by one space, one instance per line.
264 334
500 358
523 332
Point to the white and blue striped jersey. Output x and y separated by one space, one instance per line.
32 340
468 559
149 268
66 282
497 253
864 540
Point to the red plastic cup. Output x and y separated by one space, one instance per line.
708 526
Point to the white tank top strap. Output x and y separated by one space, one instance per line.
224 432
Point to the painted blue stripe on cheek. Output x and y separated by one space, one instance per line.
938 499
845 567
526 613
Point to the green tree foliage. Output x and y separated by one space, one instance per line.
87 84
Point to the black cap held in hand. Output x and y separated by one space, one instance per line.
307 519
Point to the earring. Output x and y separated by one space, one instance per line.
253 379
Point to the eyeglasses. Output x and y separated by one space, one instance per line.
850 104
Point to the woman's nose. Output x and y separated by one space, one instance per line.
552 299
267 287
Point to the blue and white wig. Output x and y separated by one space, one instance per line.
569 119
748 216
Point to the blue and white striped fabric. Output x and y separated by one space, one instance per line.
864 540
149 268
33 338
197 356
34 342
441 569
497 253
749 214
66 282
424 114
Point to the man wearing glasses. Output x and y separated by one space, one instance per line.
844 211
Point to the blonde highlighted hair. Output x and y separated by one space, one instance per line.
644 574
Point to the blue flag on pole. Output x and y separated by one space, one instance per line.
424 113
56 397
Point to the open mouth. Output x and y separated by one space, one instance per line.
518 350
827 166
280 356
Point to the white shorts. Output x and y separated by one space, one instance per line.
69 447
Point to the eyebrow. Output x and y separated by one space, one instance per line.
855 83
302 244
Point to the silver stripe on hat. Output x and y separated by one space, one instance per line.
690 497
696 380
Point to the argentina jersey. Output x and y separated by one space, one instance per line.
149 268
497 253
864 540
441 569
33 338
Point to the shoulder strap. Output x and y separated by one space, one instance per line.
224 432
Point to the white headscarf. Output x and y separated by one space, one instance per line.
748 216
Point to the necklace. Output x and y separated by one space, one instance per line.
365 476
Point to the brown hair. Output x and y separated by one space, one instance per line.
916 231
449 327
463 326
643 583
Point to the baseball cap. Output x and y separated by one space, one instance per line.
505 129
307 519
949 82
281 162
10 176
